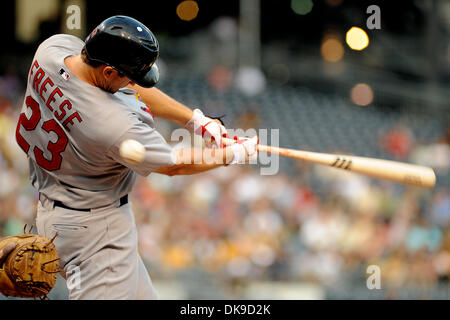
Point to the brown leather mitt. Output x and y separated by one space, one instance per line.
29 270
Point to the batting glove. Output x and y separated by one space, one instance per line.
245 150
211 131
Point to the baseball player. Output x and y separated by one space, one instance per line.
83 99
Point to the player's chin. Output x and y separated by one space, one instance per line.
113 88
110 89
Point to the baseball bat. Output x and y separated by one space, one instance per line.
401 172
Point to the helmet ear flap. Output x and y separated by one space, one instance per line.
153 75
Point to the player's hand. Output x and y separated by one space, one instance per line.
210 129
245 150
5 251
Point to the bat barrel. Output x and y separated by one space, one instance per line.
406 173
382 169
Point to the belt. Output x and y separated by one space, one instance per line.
123 201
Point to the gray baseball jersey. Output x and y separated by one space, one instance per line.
71 131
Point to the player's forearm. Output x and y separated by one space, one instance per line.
183 169
192 161
163 106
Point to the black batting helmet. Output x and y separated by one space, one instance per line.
126 45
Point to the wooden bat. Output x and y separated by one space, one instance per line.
405 173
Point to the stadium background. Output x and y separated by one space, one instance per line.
308 232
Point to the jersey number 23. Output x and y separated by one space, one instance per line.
30 124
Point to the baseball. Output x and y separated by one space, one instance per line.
132 151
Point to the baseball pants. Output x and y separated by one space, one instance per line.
98 251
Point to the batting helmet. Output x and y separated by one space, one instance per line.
126 45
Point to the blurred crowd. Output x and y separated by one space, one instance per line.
238 225
242 226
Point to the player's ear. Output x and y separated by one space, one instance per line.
107 72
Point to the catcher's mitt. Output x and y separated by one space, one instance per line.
29 270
